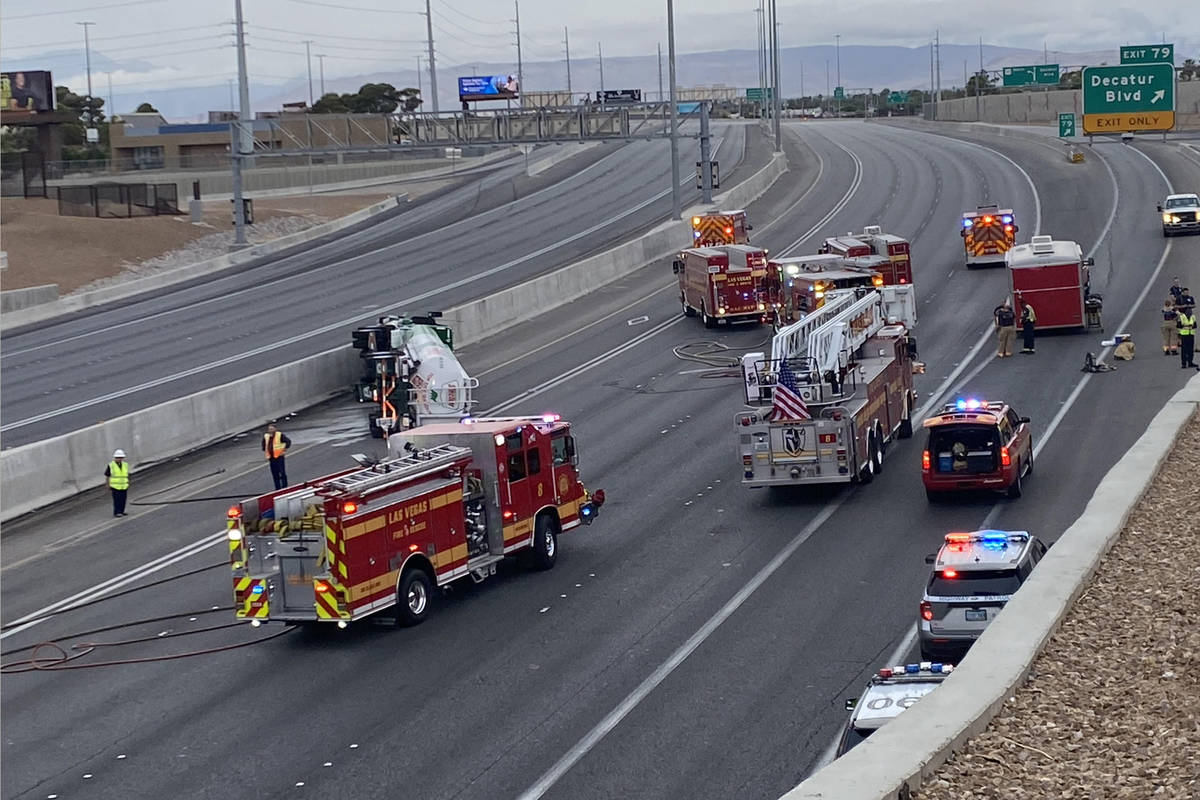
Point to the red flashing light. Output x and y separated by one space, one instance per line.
886 672
349 508
1008 228
949 573
958 538
234 512
903 281
1005 458
728 230
926 464
926 610
321 587
508 515
412 548
987 220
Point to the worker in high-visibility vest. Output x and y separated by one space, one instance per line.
274 445
117 473
1185 321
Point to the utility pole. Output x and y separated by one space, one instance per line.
567 47
600 53
87 56
675 201
932 94
776 100
758 12
706 186
242 139
111 103
661 97
978 81
762 36
432 64
937 48
769 11
308 58
420 91
837 50
321 64
232 104
520 72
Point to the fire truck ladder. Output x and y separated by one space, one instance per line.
414 464
793 340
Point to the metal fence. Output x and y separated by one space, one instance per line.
23 175
118 200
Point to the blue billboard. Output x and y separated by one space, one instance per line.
488 87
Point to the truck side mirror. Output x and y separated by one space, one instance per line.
1023 420
911 345
1160 208
851 702
749 227
1089 262
931 558
676 266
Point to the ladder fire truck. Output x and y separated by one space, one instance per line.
720 227
798 285
410 374
450 501
988 233
853 362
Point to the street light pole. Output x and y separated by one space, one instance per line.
432 64
308 58
242 140
661 97
776 100
600 54
420 91
675 201
520 68
87 56
567 47
321 64
838 55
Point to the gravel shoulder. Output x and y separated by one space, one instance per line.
1112 706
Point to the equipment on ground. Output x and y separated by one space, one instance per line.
722 283
835 390
720 227
1053 277
410 374
988 232
450 501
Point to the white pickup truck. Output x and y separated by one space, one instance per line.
1180 214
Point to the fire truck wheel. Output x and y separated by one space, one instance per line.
688 311
545 542
415 595
1014 488
709 322
877 452
906 428
867 474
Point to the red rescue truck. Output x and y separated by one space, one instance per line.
885 253
988 233
847 246
1052 276
722 283
452 500
798 285
720 227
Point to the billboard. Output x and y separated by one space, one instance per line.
488 87
31 92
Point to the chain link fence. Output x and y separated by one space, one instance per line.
23 175
118 200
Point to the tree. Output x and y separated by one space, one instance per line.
88 109
371 98
146 108
1070 80
1190 70
332 103
983 79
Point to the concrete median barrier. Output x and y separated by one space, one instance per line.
16 299
34 475
891 764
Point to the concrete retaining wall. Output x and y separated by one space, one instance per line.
34 475
892 763
1037 107
17 299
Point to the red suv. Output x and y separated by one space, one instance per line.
976 445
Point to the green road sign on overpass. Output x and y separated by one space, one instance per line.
1066 126
897 97
1130 97
760 94
1147 53
839 93
1033 75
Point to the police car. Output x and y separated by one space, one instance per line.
891 691
974 575
976 445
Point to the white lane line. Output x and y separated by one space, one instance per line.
614 717
845 198
807 192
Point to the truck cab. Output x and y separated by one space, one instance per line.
798 285
1180 214
722 283
890 256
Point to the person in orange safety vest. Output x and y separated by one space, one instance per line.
274 445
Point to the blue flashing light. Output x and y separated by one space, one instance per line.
257 589
994 536
936 666
966 223
1006 219
585 511
968 404
695 234
912 669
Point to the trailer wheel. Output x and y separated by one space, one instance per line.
709 322
545 543
413 598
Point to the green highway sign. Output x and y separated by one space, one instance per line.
1130 97
1147 53
838 93
760 94
1066 126
896 97
1033 75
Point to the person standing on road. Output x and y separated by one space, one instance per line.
1176 291
117 473
1006 330
274 445
1028 321
1185 322
1170 333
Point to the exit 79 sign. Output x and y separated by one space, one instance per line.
1129 97
1147 53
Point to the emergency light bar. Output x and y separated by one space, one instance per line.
935 667
988 537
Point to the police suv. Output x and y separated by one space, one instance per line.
891 691
974 575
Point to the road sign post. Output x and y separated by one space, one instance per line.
1066 126
1148 54
1129 97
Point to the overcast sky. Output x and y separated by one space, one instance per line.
188 42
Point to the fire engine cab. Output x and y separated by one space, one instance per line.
885 253
988 233
836 389
720 227
722 283
798 285
450 501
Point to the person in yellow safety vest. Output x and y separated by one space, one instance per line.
117 473
274 445
1185 322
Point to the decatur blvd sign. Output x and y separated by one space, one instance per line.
1129 97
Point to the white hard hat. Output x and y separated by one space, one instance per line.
118 453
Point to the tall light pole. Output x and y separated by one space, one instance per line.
567 48
661 97
520 73
432 64
308 58
675 202
87 56
600 54
419 90
770 34
232 104
321 62
111 103
243 139
776 100
837 50
761 53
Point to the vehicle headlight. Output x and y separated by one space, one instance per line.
1166 217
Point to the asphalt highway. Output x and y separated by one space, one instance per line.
481 237
699 640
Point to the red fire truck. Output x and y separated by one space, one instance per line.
720 227
836 389
451 501
798 285
988 233
722 283
885 253
1053 277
